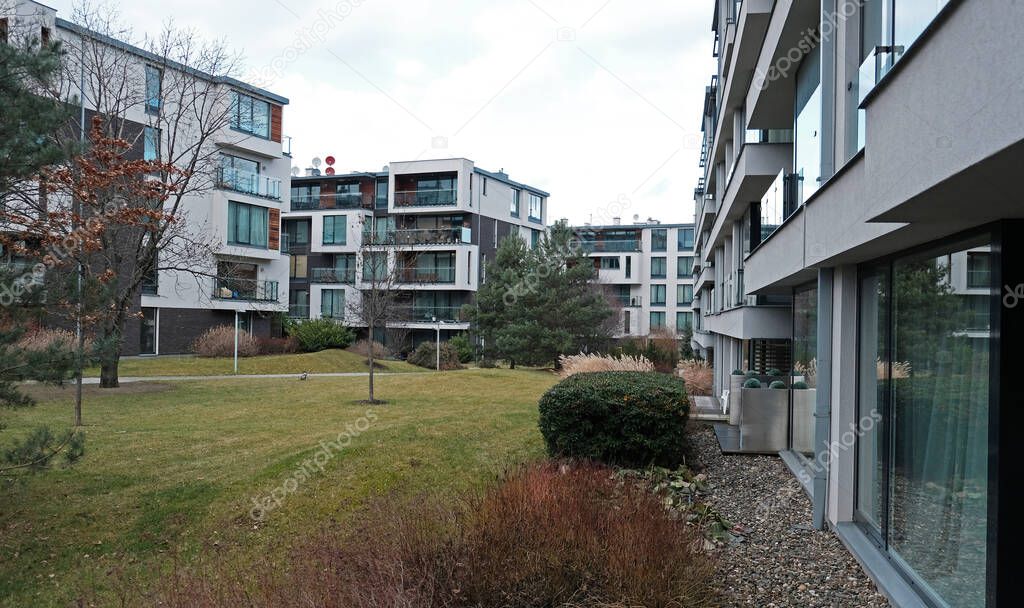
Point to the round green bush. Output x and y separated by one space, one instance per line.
315 335
750 374
463 347
737 372
752 383
775 373
425 355
632 419
800 385
777 384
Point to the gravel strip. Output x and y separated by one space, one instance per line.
782 561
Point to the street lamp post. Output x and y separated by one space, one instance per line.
437 349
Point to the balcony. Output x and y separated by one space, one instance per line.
248 182
431 314
298 311
245 290
441 197
627 245
429 236
426 275
346 276
308 202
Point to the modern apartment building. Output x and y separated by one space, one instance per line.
858 224
240 210
440 221
648 271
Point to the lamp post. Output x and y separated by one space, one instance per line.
236 342
437 348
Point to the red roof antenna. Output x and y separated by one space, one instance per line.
330 171
330 161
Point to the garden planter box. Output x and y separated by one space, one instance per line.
803 420
764 420
735 398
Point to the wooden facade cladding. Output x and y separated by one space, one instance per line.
274 236
275 123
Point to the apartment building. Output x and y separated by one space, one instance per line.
648 270
439 222
240 210
858 224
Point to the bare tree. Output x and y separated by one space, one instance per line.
378 304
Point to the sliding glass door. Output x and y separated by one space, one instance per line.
922 470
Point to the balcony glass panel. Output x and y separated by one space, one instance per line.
250 290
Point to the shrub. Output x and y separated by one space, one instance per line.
737 372
800 385
220 342
750 374
463 347
775 373
488 363
581 363
315 335
777 384
625 418
551 534
425 355
698 375
752 383
277 346
42 339
363 347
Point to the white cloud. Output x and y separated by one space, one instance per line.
588 99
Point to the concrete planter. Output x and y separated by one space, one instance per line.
803 420
764 420
735 398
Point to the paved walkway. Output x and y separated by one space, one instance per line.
707 408
131 379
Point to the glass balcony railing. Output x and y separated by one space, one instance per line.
429 236
248 290
589 246
248 182
426 198
414 274
432 314
298 311
306 202
333 275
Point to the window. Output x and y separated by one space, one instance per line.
154 77
610 263
335 229
44 35
659 239
151 280
684 295
659 268
248 225
536 208
483 188
658 295
297 232
250 115
534 238
151 144
382 194
4 29
684 319
298 267
298 304
657 320
922 467
147 332
626 321
685 239
332 304
629 266
515 202
807 147
348 195
979 270
684 267
375 265
306 196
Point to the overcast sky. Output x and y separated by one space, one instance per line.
594 101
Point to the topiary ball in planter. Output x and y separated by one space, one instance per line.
775 373
777 384
633 419
752 383
800 385
737 372
750 374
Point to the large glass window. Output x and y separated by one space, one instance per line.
659 268
382 194
684 295
923 472
979 270
657 320
248 225
335 229
684 267
332 304
659 239
685 239
684 319
250 115
147 332
658 295
153 80
536 208
515 202
297 232
151 144
805 368
609 263
807 147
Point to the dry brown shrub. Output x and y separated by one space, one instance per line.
220 342
583 363
698 376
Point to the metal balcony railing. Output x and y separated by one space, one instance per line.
430 314
298 311
428 236
248 290
426 198
333 275
420 274
248 182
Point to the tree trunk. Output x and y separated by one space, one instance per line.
108 371
370 362
511 363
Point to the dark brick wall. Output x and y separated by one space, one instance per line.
179 328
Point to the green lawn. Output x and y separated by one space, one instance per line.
328 361
171 468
